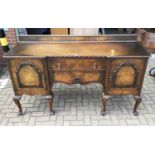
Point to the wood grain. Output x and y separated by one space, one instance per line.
78 49
118 66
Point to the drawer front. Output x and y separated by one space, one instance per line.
29 76
76 64
125 75
76 77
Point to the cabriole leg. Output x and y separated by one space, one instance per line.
138 100
104 103
50 103
16 99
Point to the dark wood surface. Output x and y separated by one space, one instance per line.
119 66
78 49
72 38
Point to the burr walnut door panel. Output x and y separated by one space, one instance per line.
125 75
29 76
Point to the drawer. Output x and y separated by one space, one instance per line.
76 64
76 77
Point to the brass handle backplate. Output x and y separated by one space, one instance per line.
59 66
94 66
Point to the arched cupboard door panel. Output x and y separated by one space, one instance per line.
29 75
124 75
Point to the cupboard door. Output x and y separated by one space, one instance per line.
29 76
125 75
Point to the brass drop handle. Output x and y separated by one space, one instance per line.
94 65
59 66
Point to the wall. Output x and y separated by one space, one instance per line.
11 37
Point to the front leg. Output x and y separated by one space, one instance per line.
104 103
50 103
138 100
16 99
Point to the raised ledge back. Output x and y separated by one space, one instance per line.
76 39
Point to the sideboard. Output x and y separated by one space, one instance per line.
117 62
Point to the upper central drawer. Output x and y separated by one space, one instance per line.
76 63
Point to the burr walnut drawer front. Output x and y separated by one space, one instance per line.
76 77
76 64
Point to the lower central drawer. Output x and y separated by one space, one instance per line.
76 63
76 77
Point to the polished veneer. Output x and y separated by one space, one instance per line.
117 62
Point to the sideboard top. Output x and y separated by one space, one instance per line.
93 49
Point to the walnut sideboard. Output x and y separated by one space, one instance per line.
117 62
